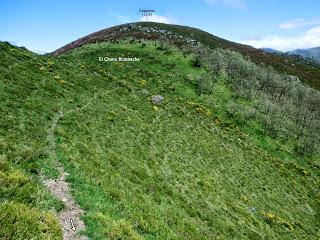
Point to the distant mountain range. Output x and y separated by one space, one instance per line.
312 53
271 50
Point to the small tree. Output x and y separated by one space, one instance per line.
196 61
206 83
164 45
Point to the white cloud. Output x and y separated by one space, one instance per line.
299 22
158 18
309 39
229 3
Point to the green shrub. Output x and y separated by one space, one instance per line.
123 230
16 186
196 61
18 221
164 45
206 83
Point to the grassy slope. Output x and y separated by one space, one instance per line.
139 171
308 73
26 104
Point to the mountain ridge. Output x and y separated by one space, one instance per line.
312 54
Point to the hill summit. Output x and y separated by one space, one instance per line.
182 34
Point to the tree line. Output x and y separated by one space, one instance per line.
288 109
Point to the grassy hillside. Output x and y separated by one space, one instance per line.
185 169
305 70
27 99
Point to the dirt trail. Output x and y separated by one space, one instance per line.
69 218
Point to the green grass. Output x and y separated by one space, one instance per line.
21 222
182 170
27 208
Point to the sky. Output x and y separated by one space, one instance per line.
45 25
